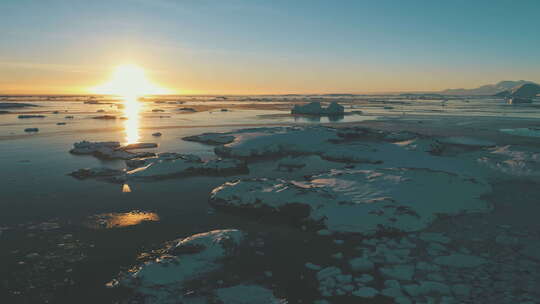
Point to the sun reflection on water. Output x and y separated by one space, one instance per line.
132 110
118 220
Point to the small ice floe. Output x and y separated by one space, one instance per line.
187 110
95 173
31 130
315 108
211 138
108 150
403 272
199 257
157 134
528 132
329 143
459 260
359 201
165 166
247 294
466 141
105 117
30 116
15 105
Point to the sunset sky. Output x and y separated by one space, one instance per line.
254 47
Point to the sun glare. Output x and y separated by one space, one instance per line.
129 80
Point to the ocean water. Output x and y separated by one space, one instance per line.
42 208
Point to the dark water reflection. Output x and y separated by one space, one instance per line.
318 118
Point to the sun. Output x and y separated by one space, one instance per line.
129 80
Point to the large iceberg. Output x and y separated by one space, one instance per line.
315 108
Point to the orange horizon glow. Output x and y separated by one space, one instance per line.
129 81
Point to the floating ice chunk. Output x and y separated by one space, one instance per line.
466 141
459 260
422 144
108 149
194 258
361 264
105 117
433 288
314 108
9 105
362 201
186 164
187 110
247 294
267 142
312 266
211 138
96 173
365 292
165 165
30 116
398 272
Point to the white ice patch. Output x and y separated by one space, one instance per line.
363 201
192 258
279 142
511 160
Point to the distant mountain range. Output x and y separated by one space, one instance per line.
490 89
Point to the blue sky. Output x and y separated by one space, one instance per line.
247 47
